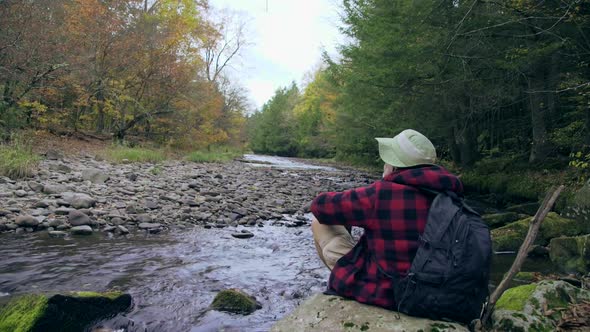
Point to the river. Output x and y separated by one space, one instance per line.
173 276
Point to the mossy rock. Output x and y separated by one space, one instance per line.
235 301
525 276
571 254
499 219
532 307
511 236
60 312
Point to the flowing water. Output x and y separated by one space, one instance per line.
174 276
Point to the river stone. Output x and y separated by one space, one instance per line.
571 254
53 155
26 221
78 218
510 237
152 205
62 211
35 186
148 225
235 301
81 230
95 176
20 193
54 188
122 229
144 218
242 235
67 312
332 313
535 307
79 200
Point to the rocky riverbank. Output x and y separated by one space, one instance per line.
82 195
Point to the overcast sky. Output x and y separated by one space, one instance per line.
287 41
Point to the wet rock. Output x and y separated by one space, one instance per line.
58 234
81 230
242 235
95 176
235 301
571 254
26 221
78 218
535 307
332 313
62 312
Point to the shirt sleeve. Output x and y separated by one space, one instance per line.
352 207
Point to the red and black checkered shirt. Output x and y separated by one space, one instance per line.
393 213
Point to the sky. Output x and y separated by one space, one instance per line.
286 41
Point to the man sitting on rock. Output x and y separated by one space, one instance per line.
393 213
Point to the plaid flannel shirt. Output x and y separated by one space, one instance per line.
393 213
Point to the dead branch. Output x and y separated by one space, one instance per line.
534 226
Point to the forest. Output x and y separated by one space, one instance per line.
499 86
153 69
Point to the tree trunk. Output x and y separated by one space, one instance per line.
539 148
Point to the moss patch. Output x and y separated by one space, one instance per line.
21 314
235 301
510 237
65 313
108 295
515 298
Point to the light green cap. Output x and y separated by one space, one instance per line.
408 148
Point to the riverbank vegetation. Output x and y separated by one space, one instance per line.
122 69
501 87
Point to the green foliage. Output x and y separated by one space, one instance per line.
215 155
17 159
272 129
121 154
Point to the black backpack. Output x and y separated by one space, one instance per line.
449 276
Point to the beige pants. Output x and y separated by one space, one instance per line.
331 242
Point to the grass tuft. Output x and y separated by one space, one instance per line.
214 156
17 159
121 154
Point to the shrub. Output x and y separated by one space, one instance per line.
17 159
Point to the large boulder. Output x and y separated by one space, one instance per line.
510 237
235 301
535 307
62 312
332 313
571 254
